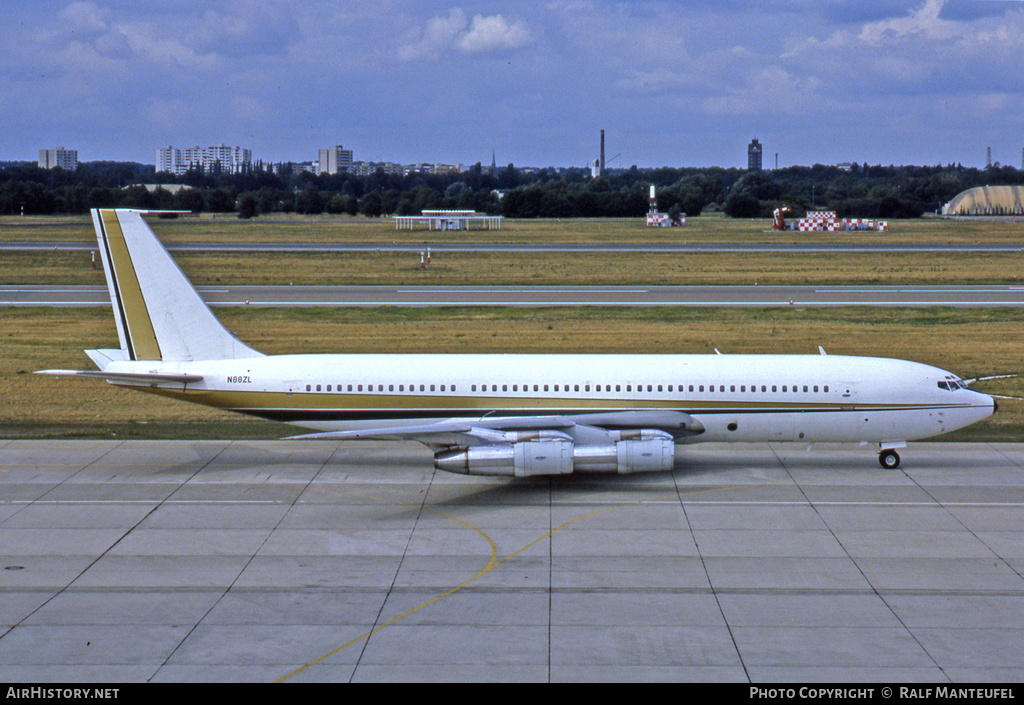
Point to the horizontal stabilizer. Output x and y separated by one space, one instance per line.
132 378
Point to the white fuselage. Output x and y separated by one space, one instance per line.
808 398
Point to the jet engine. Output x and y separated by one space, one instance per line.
554 453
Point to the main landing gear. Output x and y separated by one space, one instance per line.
889 459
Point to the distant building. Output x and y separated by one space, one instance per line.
987 200
59 158
754 156
335 160
368 168
448 220
294 168
230 160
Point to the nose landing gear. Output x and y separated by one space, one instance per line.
889 459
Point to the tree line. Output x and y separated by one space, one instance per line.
858 191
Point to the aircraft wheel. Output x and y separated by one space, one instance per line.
889 459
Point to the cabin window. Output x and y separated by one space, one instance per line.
545 387
732 387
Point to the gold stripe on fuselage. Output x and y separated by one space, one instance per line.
254 401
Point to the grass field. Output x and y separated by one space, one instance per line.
712 227
970 342
542 269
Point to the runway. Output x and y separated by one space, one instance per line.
218 561
417 296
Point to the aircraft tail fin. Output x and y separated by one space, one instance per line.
159 314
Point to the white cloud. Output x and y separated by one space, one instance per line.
492 34
924 21
441 35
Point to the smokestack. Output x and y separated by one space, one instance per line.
602 152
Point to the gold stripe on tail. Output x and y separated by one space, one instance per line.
141 338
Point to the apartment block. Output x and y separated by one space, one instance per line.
59 158
335 160
231 160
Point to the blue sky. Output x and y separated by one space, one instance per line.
671 83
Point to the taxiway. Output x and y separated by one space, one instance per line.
217 561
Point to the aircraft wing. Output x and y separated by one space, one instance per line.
510 429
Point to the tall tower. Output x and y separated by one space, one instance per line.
754 156
601 172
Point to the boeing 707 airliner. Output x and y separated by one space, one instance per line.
510 414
